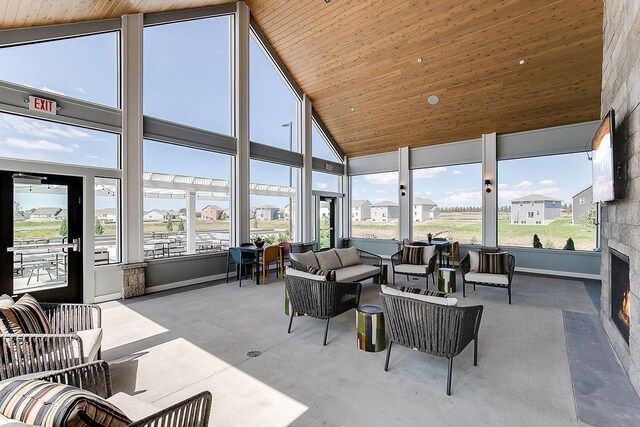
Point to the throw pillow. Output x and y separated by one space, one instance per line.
493 262
306 258
330 275
348 256
412 255
427 253
328 260
50 404
421 291
6 301
24 317
427 298
474 260
297 273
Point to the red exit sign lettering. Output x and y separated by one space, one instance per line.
41 104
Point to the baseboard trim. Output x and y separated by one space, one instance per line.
558 273
183 283
108 297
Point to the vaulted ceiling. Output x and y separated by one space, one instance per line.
358 61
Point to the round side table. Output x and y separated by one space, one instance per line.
370 328
447 280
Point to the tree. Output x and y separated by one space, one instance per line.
588 218
548 244
181 225
536 242
255 222
569 246
99 228
169 225
64 229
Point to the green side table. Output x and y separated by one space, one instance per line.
370 328
381 279
447 280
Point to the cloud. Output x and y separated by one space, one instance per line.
38 129
547 182
38 145
52 90
382 178
448 192
77 89
524 184
457 172
322 186
465 198
428 173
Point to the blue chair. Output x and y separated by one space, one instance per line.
242 261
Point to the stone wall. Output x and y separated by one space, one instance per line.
621 219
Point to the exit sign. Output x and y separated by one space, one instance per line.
43 105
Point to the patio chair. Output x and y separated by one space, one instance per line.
270 255
321 299
435 329
423 270
95 378
242 260
75 338
285 250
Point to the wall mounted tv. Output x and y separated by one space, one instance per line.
603 168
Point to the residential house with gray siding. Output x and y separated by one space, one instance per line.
425 209
581 204
535 209
360 210
385 211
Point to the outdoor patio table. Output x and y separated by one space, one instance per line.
258 253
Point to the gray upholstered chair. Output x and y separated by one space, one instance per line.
95 378
435 329
76 338
427 269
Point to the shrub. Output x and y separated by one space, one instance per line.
169 225
63 227
99 228
548 244
536 242
569 246
181 225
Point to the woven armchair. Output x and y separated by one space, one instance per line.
30 353
465 267
95 378
321 299
435 329
427 270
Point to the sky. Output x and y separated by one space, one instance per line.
186 79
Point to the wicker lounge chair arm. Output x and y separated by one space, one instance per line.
191 412
93 377
66 318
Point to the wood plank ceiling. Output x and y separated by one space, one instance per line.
363 55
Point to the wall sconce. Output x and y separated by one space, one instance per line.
487 185
402 192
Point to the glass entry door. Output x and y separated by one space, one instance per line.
326 222
40 231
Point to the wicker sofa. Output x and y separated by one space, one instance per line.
94 377
76 338
349 264
469 276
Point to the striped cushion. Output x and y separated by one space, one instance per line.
412 255
330 275
421 291
50 404
493 262
24 317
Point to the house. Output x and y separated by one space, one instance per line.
360 210
385 211
535 209
425 209
154 215
266 213
45 213
212 213
581 204
107 214
63 214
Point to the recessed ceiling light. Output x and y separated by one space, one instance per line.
420 59
433 99
353 109
521 62
327 1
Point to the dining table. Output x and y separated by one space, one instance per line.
257 251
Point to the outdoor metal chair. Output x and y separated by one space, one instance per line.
242 261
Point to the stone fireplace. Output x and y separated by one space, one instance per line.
620 293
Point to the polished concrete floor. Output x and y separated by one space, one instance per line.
167 346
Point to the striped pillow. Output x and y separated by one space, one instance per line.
493 262
330 275
24 317
412 255
52 405
421 291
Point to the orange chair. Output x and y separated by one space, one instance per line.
285 250
453 254
270 255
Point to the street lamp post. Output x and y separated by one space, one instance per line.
290 126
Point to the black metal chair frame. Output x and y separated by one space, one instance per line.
465 267
240 267
396 259
321 299
434 329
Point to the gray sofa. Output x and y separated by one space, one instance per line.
350 264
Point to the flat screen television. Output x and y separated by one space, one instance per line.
603 169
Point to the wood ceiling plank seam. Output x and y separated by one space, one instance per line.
11 14
4 4
43 11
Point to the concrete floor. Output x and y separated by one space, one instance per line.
167 346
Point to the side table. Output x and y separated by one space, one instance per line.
447 280
370 328
381 279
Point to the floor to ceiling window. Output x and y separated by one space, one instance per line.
374 206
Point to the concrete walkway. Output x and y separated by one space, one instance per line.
167 346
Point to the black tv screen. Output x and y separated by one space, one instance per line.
603 170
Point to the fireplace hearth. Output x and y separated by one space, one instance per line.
620 288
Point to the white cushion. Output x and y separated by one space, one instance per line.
355 273
4 421
6 301
133 407
348 256
297 273
428 298
474 260
306 258
328 260
427 253
410 269
91 342
500 279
